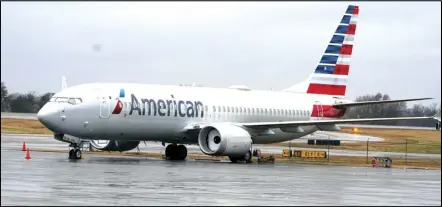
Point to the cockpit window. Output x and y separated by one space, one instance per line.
78 100
71 101
75 101
61 100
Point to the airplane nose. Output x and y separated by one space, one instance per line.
48 116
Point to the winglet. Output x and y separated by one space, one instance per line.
437 116
64 84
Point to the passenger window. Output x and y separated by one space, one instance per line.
219 108
214 109
224 109
236 110
52 99
206 108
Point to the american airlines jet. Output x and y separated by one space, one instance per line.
221 121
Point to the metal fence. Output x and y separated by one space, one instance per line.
406 154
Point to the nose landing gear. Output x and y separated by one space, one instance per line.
75 154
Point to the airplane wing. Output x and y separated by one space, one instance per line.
332 122
346 105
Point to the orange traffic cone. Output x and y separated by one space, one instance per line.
23 148
28 154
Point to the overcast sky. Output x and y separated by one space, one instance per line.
259 44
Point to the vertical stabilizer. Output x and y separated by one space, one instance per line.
331 74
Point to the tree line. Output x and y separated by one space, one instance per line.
31 102
393 110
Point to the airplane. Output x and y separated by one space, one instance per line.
221 121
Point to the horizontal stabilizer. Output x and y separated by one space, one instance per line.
437 116
346 105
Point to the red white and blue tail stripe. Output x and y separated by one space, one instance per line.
331 74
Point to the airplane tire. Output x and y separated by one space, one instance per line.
71 154
77 154
182 152
233 159
170 151
248 157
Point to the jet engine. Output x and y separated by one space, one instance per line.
224 140
112 145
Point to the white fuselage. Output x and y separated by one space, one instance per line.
159 112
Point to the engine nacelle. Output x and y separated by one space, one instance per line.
111 145
224 140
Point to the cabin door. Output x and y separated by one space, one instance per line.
104 109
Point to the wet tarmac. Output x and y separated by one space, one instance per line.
51 179
15 141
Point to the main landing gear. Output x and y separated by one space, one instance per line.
176 152
75 154
247 158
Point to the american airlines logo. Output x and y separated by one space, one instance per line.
160 107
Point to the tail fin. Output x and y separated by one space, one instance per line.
63 83
330 75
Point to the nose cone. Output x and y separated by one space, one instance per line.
48 116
